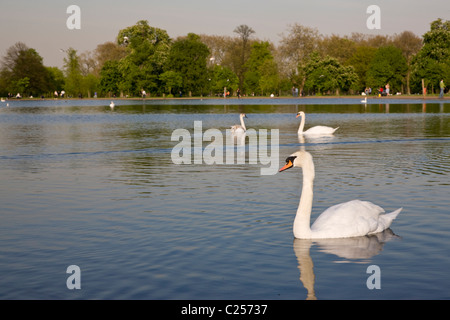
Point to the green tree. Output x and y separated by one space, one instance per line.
296 48
72 72
388 66
148 49
337 47
24 72
223 77
110 77
244 32
432 62
410 45
21 85
170 80
328 75
188 56
262 73
108 51
269 80
361 61
89 84
56 79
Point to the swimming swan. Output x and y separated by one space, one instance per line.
365 100
350 219
240 128
317 130
111 105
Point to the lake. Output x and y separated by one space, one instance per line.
86 185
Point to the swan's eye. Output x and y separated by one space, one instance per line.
290 159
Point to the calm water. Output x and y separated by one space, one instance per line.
85 185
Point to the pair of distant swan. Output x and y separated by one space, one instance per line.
349 219
317 130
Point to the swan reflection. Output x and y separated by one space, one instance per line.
351 250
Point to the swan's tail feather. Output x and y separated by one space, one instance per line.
389 217
394 214
385 220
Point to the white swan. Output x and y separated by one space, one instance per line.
350 219
365 100
112 105
239 128
317 130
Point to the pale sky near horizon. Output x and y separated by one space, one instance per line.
42 24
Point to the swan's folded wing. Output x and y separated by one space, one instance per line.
318 130
348 219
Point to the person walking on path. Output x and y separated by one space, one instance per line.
442 86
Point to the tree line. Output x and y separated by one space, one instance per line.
144 59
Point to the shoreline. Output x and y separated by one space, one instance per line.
353 97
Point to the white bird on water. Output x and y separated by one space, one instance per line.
349 219
112 105
365 100
317 130
239 128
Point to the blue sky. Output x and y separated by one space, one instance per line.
42 24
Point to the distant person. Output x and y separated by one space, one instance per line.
238 93
442 86
387 89
366 92
143 94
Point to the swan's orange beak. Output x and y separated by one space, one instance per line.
298 115
288 165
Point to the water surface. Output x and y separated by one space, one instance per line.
85 185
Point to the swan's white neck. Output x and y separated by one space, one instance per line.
302 124
302 222
242 123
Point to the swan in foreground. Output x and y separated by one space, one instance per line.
350 219
239 128
111 105
317 130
